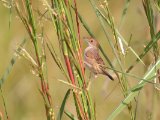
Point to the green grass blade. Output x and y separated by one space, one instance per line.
61 110
4 104
7 72
31 18
157 4
10 13
146 50
133 94
150 17
57 59
132 50
124 12
120 36
77 107
85 25
12 62
70 115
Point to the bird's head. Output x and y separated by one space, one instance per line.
91 41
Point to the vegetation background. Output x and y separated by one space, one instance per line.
21 88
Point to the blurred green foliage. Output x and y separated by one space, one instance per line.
20 90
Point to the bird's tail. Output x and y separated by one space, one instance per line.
107 74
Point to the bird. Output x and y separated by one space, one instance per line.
93 60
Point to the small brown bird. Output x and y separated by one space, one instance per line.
93 60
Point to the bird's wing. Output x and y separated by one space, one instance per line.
94 55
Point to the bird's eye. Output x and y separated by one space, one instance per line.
91 40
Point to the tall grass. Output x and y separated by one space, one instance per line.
66 21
